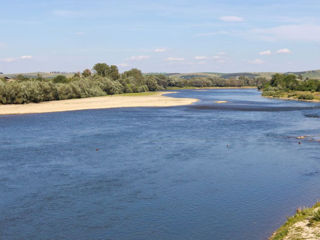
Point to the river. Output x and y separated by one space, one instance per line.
208 171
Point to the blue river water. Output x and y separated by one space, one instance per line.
207 171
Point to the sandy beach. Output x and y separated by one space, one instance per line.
118 101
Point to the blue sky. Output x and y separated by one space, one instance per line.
160 36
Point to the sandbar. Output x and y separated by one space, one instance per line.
155 99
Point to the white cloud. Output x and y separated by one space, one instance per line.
160 50
174 59
284 51
138 58
13 59
2 45
123 65
231 19
298 32
217 58
200 57
25 57
267 52
257 61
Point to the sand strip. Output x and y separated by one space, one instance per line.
117 101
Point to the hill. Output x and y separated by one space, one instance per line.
314 74
35 74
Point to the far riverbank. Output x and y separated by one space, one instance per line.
305 96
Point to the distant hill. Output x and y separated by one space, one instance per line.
35 74
315 74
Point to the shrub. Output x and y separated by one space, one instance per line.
306 96
60 79
316 216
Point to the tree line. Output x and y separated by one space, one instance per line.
241 81
283 84
104 80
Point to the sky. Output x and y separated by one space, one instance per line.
160 36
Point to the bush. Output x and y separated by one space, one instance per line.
316 216
306 96
60 79
152 84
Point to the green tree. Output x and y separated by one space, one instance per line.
77 75
102 69
60 79
136 74
114 72
21 77
86 73
152 84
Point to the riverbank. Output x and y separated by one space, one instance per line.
203 88
149 99
304 225
306 96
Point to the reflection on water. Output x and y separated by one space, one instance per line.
193 172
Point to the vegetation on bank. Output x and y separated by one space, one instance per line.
103 80
305 224
207 82
107 80
291 87
315 74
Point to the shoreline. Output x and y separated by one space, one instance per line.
204 88
301 96
305 224
155 99
293 99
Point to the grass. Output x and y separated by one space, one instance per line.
308 214
316 216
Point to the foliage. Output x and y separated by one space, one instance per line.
306 96
86 73
105 80
101 69
316 216
289 86
104 70
60 79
